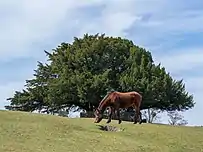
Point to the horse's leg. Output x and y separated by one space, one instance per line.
140 118
117 108
118 115
110 114
137 114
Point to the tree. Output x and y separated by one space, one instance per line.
176 119
95 64
34 96
151 115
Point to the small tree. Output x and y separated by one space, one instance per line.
176 119
151 115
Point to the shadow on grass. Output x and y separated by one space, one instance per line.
109 128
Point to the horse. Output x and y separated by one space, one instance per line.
116 100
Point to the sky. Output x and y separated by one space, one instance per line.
171 30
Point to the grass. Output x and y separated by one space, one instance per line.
27 132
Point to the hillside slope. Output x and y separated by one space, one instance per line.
26 132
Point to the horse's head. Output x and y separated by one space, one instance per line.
99 111
98 116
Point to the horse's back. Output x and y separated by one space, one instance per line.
133 95
128 93
127 99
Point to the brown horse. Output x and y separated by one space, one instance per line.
116 100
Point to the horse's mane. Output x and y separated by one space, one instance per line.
106 96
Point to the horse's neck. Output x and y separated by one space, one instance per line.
102 106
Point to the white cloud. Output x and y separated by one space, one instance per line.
177 61
28 22
25 23
111 24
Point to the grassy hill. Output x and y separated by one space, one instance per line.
26 132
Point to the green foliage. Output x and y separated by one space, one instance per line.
80 74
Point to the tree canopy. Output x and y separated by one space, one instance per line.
80 74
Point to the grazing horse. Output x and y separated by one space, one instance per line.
116 100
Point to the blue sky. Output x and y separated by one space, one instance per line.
171 30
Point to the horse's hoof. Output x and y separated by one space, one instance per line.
108 121
135 123
119 122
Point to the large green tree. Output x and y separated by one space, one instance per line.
80 74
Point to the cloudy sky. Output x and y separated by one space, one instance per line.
172 30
